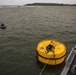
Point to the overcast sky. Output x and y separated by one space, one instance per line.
22 2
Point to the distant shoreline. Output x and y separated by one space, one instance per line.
49 4
37 4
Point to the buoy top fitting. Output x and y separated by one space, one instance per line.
2 24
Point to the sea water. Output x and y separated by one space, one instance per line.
25 27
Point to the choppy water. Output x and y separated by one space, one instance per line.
26 26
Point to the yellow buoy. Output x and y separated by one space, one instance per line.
51 52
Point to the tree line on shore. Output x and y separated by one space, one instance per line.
49 4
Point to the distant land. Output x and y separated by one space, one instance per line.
49 4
